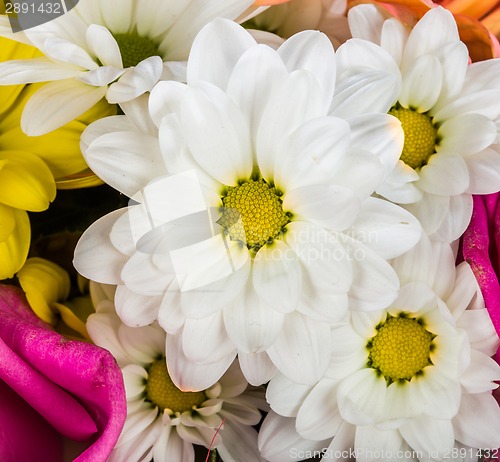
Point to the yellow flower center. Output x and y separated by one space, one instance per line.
400 349
420 136
162 392
135 48
252 213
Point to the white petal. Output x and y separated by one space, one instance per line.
189 376
456 219
444 174
255 78
284 114
257 367
386 228
58 103
215 52
127 303
104 46
119 159
361 397
94 247
252 324
365 22
415 297
205 340
466 134
378 442
430 211
329 206
217 135
68 52
34 70
166 98
393 38
368 92
145 344
481 373
429 435
239 443
313 51
380 134
464 291
375 283
136 80
286 396
312 154
479 328
438 394
101 77
103 126
478 421
319 416
422 84
436 29
302 350
484 172
361 171
277 276
278 436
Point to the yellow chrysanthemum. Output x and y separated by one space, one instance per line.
32 167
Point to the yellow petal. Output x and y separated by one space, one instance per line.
60 149
85 179
14 249
9 49
44 284
7 222
27 182
69 317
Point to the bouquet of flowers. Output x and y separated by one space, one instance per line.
249 231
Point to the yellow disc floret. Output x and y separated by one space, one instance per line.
420 136
162 392
252 213
135 48
400 349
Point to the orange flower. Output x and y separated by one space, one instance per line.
478 22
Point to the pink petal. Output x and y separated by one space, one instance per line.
481 249
77 387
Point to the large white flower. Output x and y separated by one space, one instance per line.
118 49
254 226
163 423
447 107
412 382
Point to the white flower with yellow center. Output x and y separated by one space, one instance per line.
118 49
163 422
447 108
412 382
253 226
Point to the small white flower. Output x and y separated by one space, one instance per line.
163 423
414 379
118 49
447 107
254 226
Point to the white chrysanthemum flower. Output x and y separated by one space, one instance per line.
412 382
254 226
118 49
163 423
447 108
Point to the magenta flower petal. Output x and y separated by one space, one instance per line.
77 387
481 249
25 434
